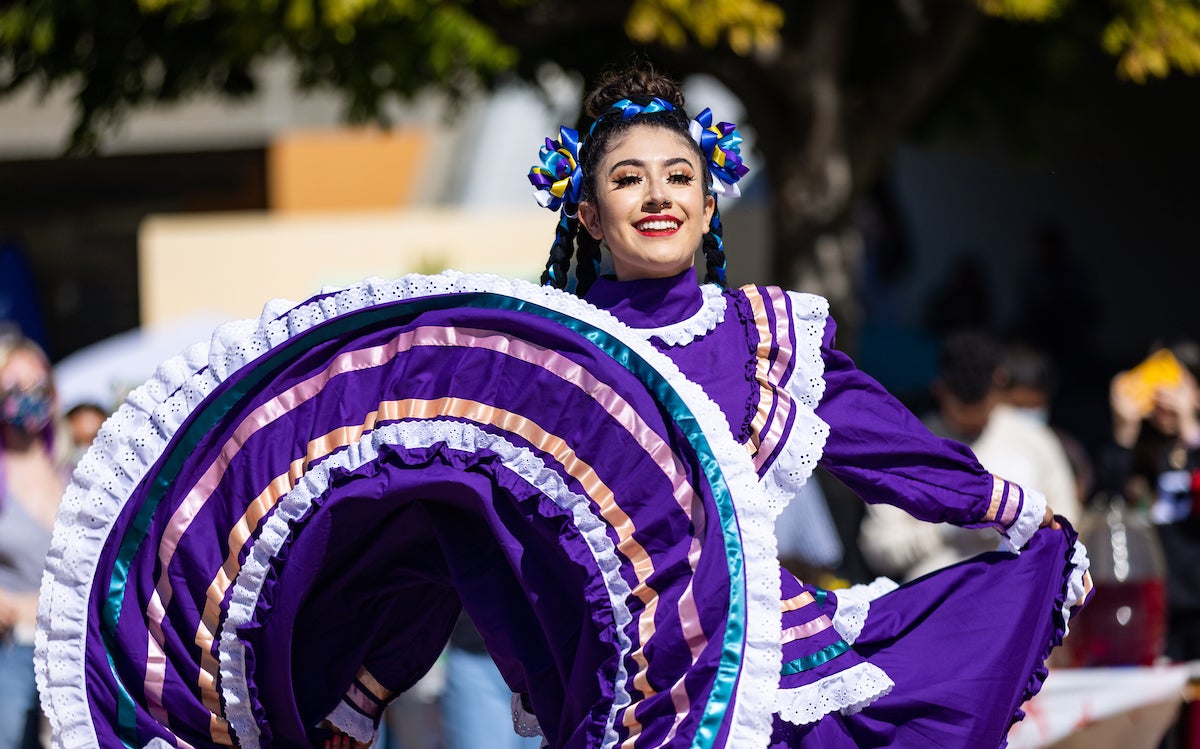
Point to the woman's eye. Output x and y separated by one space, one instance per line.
626 180
681 179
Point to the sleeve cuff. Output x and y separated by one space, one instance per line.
1028 518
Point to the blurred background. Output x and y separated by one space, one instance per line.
1021 167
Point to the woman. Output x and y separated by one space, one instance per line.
30 488
767 358
277 534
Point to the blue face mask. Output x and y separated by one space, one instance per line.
1040 414
27 410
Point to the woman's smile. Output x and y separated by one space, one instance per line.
657 226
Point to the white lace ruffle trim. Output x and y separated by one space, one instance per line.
847 692
854 604
1033 511
805 442
352 723
525 723
1076 588
133 439
700 324
310 489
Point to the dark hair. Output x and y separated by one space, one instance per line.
1029 367
639 83
969 363
1186 351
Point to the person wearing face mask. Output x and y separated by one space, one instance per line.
972 393
30 488
1032 384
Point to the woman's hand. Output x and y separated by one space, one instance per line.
340 740
1048 520
1181 401
1126 414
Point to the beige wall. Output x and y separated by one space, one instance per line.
233 264
345 169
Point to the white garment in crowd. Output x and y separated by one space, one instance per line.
1012 445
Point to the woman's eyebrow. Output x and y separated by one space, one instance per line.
640 163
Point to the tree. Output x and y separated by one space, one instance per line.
829 85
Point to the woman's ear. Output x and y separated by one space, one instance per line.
710 207
590 218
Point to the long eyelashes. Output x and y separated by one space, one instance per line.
635 179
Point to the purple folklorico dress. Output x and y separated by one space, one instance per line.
945 661
274 536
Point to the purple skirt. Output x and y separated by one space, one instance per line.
273 538
966 647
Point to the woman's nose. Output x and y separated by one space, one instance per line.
657 201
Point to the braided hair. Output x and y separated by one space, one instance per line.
637 87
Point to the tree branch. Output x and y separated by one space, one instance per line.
919 72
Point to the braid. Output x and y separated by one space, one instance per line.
587 261
714 251
558 267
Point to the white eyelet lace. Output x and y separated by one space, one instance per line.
703 322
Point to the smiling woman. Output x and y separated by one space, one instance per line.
276 536
865 666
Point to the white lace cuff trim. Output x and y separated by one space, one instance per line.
525 723
1032 513
853 605
847 691
700 324
352 723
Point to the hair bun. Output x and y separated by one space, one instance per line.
637 80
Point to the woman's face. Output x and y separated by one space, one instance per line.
24 370
26 395
1173 406
650 203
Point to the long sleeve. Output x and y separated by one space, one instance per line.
885 454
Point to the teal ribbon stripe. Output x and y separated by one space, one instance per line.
209 414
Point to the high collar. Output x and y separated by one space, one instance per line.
648 302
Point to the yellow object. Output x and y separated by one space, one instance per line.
1159 370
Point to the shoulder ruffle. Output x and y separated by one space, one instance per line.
791 376
806 386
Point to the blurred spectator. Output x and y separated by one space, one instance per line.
477 705
970 394
83 422
1031 389
1154 460
30 489
809 545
